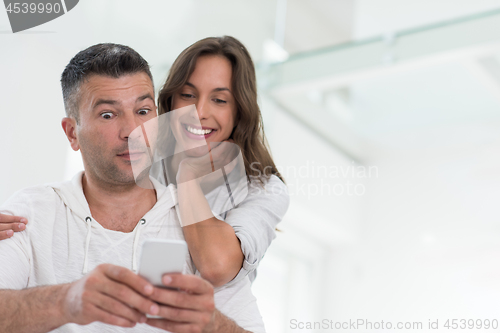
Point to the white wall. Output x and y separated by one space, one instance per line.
324 214
429 241
31 108
429 235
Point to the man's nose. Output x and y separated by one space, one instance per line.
129 123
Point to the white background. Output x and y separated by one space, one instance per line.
421 243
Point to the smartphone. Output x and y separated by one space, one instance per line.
161 256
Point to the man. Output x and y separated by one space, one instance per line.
97 221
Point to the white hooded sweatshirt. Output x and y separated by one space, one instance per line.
62 242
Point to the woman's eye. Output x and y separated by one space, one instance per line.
219 101
144 111
187 95
107 115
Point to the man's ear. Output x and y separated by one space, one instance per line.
69 127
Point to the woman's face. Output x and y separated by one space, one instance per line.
209 88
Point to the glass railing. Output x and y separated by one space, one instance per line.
380 51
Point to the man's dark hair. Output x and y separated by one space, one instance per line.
113 60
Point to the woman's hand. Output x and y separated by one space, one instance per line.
221 155
10 224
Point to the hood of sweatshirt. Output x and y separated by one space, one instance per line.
71 193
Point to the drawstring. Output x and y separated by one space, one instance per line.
88 221
136 243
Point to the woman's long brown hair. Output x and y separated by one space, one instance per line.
249 131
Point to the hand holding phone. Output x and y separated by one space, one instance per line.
161 256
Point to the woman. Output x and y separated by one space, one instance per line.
217 75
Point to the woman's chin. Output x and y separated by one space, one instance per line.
196 151
188 145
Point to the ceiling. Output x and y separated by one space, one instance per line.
431 87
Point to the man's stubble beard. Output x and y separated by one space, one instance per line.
99 163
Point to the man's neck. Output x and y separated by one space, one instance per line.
117 207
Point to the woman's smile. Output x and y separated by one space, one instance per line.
197 133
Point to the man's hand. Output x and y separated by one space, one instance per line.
189 309
10 224
110 294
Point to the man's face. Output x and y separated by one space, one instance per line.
109 110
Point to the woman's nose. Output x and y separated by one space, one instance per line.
202 109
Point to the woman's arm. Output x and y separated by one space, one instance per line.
10 224
221 250
213 244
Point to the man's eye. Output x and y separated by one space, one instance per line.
143 111
107 115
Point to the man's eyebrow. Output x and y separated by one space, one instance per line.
104 101
216 89
114 102
145 96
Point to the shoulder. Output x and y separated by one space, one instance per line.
272 187
41 193
273 193
24 202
